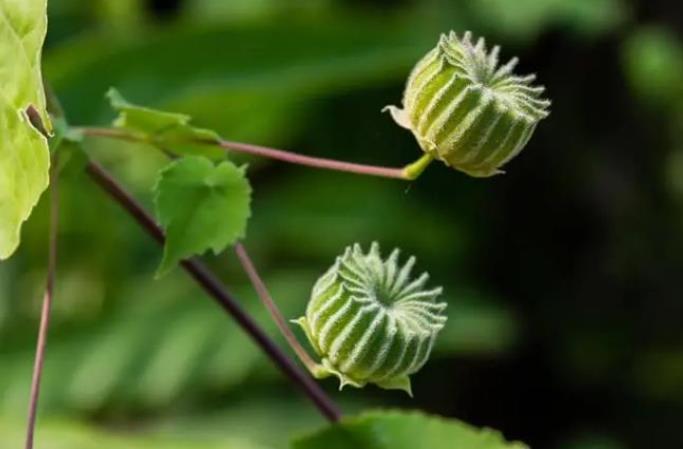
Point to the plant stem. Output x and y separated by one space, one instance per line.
272 308
45 309
409 173
315 162
214 287
414 170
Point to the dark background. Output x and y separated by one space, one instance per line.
564 276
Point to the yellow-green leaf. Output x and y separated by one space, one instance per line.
201 206
24 154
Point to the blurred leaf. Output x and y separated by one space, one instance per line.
201 207
160 343
592 441
251 82
267 417
674 171
476 326
403 430
24 156
332 211
654 64
185 348
166 130
525 19
215 10
659 374
53 434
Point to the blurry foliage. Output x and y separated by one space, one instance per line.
654 64
559 276
528 18
64 434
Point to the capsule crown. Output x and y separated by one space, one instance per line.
370 321
467 110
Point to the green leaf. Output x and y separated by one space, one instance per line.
166 130
24 154
403 430
201 206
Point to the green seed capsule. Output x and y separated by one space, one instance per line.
370 322
465 110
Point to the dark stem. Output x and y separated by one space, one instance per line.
46 307
213 286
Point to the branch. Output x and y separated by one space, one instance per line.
408 173
46 307
315 162
208 281
272 308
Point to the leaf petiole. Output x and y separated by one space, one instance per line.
407 173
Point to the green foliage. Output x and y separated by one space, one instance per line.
527 18
654 64
131 354
167 130
201 206
24 156
254 81
63 434
403 430
133 359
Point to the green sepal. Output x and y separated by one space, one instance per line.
397 383
303 323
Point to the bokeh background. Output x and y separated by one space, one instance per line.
564 277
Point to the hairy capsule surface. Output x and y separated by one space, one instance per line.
465 110
370 321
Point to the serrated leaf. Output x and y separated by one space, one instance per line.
24 154
169 131
403 430
201 206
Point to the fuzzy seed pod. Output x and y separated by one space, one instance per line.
370 322
465 110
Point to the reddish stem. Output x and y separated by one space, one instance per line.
272 153
315 162
272 308
45 310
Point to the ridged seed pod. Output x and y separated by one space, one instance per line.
370 322
465 110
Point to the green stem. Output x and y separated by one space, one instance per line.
414 170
